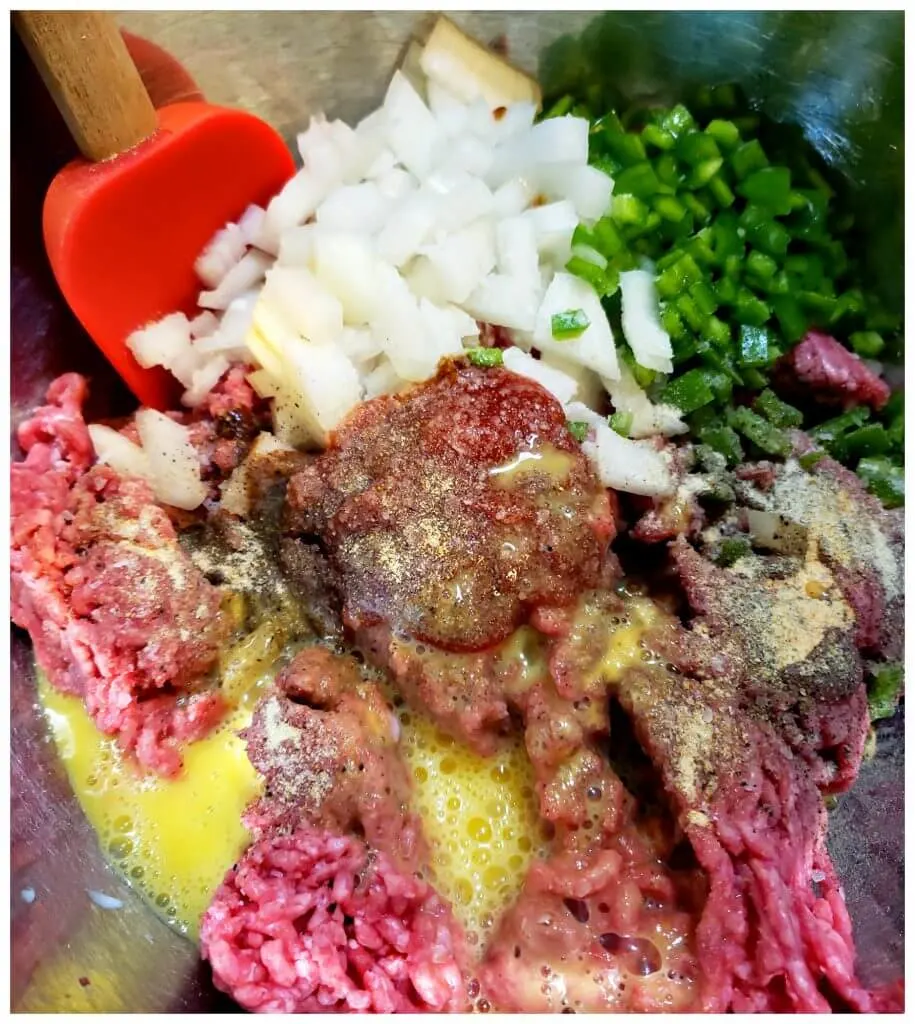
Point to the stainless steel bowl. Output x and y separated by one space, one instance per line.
839 76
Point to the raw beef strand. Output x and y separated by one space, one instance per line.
325 741
317 922
117 613
822 368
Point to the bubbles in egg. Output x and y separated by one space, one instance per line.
479 814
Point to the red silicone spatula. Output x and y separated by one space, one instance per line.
123 226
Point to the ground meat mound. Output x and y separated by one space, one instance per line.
117 613
451 511
860 541
822 368
325 741
317 922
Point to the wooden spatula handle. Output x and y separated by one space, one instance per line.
88 71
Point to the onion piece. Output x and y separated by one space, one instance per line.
449 270
301 300
560 386
117 451
248 272
594 347
632 466
234 491
223 251
347 267
357 208
649 342
505 301
459 63
173 461
412 132
648 419
161 343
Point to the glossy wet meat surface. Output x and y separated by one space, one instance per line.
452 511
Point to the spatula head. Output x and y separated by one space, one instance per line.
122 236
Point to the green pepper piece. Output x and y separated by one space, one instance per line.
485 357
571 323
868 344
760 265
725 133
725 440
704 298
637 180
621 422
731 550
655 135
696 207
700 246
666 169
871 439
606 237
670 208
721 192
678 277
703 173
561 107
760 432
819 306
768 187
753 378
689 311
627 148
748 158
884 479
673 324
768 236
850 307
777 412
678 120
578 429
791 318
726 290
750 310
689 391
883 691
831 433
717 332
753 344
628 210
598 278
696 148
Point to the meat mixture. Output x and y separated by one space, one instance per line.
457 549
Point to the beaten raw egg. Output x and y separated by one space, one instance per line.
174 839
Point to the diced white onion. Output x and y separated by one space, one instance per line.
561 386
649 342
632 466
594 347
248 272
174 464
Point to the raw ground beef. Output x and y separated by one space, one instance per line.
118 614
453 510
821 368
318 922
325 741
861 542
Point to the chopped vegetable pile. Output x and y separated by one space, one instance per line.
749 256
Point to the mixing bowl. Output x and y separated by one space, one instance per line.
838 77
